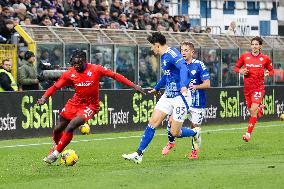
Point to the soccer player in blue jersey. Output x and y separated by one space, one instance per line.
200 80
175 99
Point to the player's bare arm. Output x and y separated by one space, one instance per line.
138 89
42 100
204 85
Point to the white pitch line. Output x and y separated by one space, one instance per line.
127 137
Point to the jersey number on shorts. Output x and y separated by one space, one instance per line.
180 111
88 112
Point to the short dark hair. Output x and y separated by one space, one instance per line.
257 38
157 37
191 46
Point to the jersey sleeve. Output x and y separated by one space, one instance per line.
161 83
204 73
64 80
180 64
268 65
116 76
239 63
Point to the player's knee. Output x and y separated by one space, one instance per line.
58 128
70 129
154 122
253 111
175 133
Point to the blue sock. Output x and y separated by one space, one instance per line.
186 132
146 139
170 136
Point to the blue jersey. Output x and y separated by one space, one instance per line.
175 74
198 73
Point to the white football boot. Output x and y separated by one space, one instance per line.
51 158
133 157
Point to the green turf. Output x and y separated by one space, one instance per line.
225 162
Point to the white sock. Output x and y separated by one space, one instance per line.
56 153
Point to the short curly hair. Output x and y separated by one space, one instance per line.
157 37
78 55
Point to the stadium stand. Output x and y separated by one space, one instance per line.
89 14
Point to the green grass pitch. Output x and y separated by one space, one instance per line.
225 161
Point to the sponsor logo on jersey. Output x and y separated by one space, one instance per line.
84 84
193 81
254 65
202 65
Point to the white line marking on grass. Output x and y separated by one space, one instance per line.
127 137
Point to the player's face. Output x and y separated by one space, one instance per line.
255 46
155 48
186 52
78 64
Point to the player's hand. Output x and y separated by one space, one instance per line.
266 73
42 100
244 71
192 87
183 91
154 92
139 89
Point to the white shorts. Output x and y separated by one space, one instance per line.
174 106
196 115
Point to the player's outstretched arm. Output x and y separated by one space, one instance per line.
204 85
269 68
120 78
49 92
138 88
62 81
159 85
41 100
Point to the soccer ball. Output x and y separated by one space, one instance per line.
282 117
69 157
85 129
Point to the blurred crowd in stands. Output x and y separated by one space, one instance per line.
110 14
